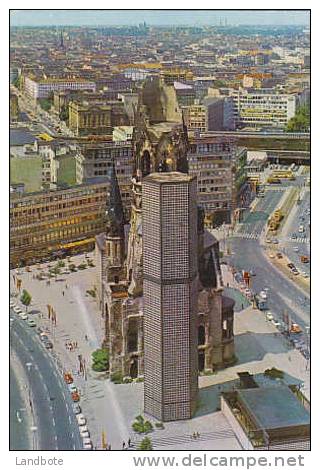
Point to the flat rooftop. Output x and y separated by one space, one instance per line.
274 407
21 136
170 177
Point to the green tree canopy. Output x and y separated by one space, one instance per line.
17 82
26 298
301 121
145 444
100 359
141 425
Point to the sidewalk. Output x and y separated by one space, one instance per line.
77 316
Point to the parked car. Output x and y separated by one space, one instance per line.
83 428
72 388
17 310
68 378
12 303
81 419
31 323
87 444
85 434
75 396
23 316
76 408
44 338
48 345
279 255
269 316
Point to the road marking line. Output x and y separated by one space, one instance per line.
69 419
54 423
55 438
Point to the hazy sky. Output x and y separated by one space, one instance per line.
156 17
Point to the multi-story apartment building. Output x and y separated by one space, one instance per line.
263 109
98 160
220 170
170 286
96 117
196 118
50 222
176 75
89 118
14 108
42 88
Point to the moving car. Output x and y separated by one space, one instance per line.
269 316
304 259
301 229
263 295
279 255
295 328
296 249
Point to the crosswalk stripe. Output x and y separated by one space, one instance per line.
249 235
169 440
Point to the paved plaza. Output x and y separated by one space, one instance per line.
111 408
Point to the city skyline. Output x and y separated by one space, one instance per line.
160 231
158 17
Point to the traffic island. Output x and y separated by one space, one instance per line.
282 265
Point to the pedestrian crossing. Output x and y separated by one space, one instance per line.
247 235
298 240
256 236
186 438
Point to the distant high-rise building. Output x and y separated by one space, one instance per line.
61 40
170 286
